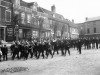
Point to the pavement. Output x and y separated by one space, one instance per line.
87 63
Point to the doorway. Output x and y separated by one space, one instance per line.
1 33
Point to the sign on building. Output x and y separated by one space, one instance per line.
9 32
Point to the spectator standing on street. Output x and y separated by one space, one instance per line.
4 52
79 46
97 43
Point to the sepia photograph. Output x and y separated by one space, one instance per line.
49 37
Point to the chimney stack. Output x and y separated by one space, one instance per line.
73 20
86 18
53 8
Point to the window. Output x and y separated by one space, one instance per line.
28 18
35 6
94 22
34 34
22 8
94 30
8 16
23 18
88 30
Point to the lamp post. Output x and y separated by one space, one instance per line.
16 31
16 24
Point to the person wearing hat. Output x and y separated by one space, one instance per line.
4 52
79 46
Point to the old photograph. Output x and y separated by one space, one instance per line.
49 37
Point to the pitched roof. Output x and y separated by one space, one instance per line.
39 9
50 13
93 18
23 3
71 24
58 16
47 11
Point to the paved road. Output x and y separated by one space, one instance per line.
88 63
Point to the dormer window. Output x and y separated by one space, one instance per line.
34 8
35 5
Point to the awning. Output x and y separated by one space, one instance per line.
2 25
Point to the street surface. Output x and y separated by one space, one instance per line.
88 63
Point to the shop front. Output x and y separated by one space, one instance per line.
24 34
28 33
74 33
45 34
2 32
9 33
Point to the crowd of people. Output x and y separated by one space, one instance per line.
43 48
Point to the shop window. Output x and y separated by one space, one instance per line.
34 34
8 16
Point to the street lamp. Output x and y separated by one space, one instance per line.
16 24
16 31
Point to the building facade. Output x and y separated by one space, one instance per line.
90 28
5 19
21 20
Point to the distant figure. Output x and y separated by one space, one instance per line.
79 46
97 43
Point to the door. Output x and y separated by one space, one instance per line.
1 33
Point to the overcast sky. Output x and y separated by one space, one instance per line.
72 9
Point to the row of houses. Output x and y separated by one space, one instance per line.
22 20
90 28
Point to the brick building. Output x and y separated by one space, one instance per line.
33 21
90 28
